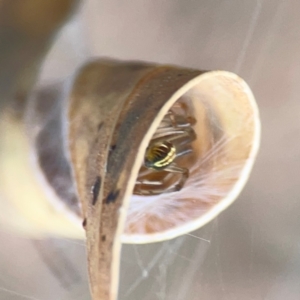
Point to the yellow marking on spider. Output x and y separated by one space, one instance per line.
160 155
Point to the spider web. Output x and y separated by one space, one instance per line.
59 267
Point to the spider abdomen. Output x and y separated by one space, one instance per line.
160 155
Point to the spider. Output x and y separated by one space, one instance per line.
172 139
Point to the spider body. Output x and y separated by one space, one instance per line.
160 155
172 139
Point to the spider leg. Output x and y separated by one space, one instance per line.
185 112
173 168
183 149
146 187
176 136
163 135
176 121
179 119
144 172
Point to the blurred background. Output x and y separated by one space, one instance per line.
252 250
